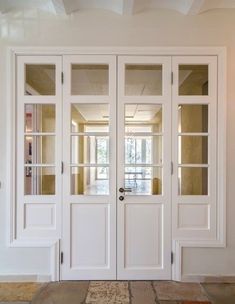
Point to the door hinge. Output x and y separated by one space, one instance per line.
62 77
172 77
172 168
172 258
62 167
61 257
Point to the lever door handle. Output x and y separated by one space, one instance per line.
122 190
127 190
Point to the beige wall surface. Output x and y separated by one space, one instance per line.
103 28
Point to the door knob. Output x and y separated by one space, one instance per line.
121 198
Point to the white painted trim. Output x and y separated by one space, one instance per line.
55 262
171 51
164 51
221 149
25 277
10 186
32 242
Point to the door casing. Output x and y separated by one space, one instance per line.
15 239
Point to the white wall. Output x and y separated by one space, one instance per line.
102 28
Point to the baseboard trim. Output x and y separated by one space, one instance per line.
6 278
207 278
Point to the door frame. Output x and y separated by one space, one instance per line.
14 240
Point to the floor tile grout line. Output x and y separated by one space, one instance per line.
44 286
206 293
155 292
85 298
130 293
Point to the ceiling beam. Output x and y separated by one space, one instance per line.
123 7
128 7
53 6
71 6
59 6
195 7
217 4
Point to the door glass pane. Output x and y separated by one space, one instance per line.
90 79
39 149
143 79
39 181
39 118
90 150
143 149
90 118
90 180
193 118
145 118
143 180
39 79
193 149
193 181
193 79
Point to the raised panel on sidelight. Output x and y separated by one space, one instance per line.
39 216
194 216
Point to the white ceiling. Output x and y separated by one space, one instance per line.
123 7
133 113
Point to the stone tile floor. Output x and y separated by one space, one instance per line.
117 292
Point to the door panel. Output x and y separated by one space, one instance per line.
89 234
143 235
89 209
144 153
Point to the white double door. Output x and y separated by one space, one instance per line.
117 168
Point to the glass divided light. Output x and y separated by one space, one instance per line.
143 149
143 79
193 80
89 157
39 149
89 149
193 180
40 79
90 79
89 180
193 140
40 181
